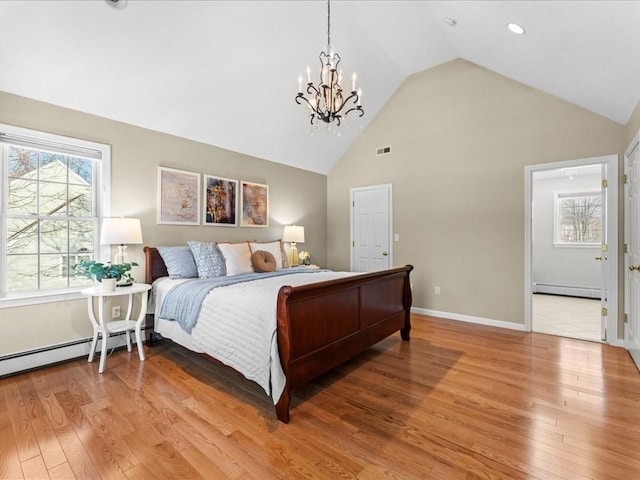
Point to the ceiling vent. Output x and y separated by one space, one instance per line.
383 151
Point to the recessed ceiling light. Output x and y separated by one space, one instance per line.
515 28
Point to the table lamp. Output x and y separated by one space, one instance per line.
120 232
293 234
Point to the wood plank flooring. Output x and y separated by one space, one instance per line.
459 401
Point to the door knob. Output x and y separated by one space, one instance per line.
384 254
634 267
598 258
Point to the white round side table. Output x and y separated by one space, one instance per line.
103 328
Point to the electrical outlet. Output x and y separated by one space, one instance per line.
437 290
115 312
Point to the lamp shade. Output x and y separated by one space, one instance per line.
293 233
121 231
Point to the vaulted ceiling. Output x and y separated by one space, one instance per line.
225 72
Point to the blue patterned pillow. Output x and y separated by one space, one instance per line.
209 259
179 262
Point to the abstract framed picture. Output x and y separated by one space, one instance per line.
254 205
178 197
220 201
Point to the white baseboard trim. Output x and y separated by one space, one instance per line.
53 354
585 292
29 360
470 319
618 342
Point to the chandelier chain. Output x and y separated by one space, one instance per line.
328 22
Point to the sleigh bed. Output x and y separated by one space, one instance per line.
323 324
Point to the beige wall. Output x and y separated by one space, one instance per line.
296 196
461 136
633 125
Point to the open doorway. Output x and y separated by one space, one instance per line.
569 241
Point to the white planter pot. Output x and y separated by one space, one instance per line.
107 285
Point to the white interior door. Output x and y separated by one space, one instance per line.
371 228
632 258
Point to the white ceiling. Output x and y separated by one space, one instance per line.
225 72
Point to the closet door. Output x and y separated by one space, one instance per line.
371 228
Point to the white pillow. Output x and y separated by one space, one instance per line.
274 248
237 257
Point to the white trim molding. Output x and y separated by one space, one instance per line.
470 319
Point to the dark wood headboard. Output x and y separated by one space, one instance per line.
154 265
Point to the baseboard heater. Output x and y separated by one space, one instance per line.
32 359
567 290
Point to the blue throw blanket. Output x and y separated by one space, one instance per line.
183 302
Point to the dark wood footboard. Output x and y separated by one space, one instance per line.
324 324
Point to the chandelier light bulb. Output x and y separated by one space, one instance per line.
354 77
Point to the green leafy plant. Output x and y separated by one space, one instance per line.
100 271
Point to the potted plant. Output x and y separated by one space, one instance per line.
106 274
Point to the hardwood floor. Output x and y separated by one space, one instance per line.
459 401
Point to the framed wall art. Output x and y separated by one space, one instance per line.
220 206
255 204
178 197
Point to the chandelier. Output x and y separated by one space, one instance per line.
326 99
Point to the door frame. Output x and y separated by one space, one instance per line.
352 191
612 224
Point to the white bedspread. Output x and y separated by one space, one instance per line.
237 326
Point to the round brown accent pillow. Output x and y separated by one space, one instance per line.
263 261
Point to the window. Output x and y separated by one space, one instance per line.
53 192
578 218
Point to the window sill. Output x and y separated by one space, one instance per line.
35 299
